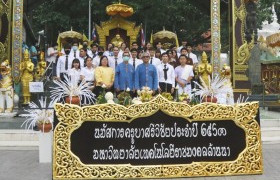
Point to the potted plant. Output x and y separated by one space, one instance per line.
145 94
72 92
216 86
39 115
125 98
184 97
167 96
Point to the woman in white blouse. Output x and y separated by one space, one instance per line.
87 72
75 72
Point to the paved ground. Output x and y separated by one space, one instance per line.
24 165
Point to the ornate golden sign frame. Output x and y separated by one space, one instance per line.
68 166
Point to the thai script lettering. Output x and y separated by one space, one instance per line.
160 151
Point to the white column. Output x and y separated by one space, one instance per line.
45 147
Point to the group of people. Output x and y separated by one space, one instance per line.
120 68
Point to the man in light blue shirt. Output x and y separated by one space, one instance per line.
124 76
146 74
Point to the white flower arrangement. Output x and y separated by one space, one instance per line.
216 86
136 101
109 98
39 114
70 88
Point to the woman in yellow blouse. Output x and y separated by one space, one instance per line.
104 76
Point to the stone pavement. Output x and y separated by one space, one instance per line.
24 165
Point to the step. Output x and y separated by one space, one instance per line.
270 131
22 138
270 123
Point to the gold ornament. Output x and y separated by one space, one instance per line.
66 165
26 70
204 69
41 67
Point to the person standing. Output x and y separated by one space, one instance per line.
184 45
94 51
104 76
64 63
159 47
87 73
153 60
75 72
109 50
116 59
96 60
124 76
74 53
51 58
146 74
166 75
184 75
134 45
134 61
83 56
34 55
191 55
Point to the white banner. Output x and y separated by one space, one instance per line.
36 87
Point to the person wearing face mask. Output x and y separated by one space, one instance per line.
96 60
74 53
124 75
64 63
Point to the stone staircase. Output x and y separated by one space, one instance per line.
270 130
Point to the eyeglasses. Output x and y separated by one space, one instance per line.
146 56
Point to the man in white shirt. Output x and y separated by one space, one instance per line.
83 56
134 45
184 75
93 52
75 52
133 60
159 47
109 50
191 55
51 54
116 59
184 45
153 60
64 63
166 76
96 60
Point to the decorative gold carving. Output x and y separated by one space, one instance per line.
204 69
117 22
5 9
121 9
68 166
271 78
241 54
273 40
215 36
244 54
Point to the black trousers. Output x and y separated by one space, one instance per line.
165 87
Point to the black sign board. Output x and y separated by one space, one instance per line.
158 139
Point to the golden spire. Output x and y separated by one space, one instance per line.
204 55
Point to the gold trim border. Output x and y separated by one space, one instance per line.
68 166
215 36
17 29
